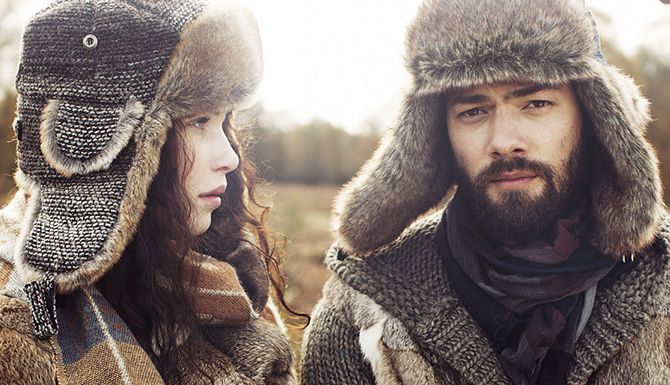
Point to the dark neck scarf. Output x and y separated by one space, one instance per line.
532 299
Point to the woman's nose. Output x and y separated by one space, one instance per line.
225 159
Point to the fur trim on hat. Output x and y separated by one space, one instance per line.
220 54
216 66
455 44
54 145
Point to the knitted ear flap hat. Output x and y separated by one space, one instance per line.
100 83
456 44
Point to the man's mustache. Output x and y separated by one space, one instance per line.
500 166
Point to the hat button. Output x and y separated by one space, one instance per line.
90 41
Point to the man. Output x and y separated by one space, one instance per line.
548 263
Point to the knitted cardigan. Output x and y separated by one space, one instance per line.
394 318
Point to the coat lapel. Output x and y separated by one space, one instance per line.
430 311
624 309
412 285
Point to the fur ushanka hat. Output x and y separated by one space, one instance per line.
453 44
100 83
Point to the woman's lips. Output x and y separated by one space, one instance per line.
213 200
214 197
513 180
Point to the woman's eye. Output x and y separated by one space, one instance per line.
199 122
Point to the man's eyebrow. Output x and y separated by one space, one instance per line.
525 91
470 99
513 94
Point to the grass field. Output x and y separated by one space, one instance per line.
301 212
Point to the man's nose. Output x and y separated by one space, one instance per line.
506 138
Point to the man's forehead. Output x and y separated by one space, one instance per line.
509 90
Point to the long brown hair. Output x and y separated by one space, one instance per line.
159 316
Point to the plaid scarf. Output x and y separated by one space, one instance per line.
532 299
96 347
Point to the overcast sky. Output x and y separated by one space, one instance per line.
341 61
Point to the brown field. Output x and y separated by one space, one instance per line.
301 212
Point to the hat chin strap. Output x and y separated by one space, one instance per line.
42 298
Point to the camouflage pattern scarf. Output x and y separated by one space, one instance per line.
532 299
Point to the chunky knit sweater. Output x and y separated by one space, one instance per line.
393 317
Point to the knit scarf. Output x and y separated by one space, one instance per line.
532 299
95 346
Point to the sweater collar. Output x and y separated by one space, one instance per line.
418 292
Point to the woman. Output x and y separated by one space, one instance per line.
134 250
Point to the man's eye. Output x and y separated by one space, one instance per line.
471 112
539 103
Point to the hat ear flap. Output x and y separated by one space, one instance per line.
626 189
407 175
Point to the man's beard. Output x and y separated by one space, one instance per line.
517 216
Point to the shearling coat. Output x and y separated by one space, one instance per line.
100 84
257 352
394 318
389 313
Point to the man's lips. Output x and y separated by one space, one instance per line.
513 180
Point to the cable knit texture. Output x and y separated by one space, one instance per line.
390 314
427 336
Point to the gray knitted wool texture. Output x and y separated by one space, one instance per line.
87 70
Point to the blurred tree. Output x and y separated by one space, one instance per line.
10 32
9 38
654 74
313 153
650 67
